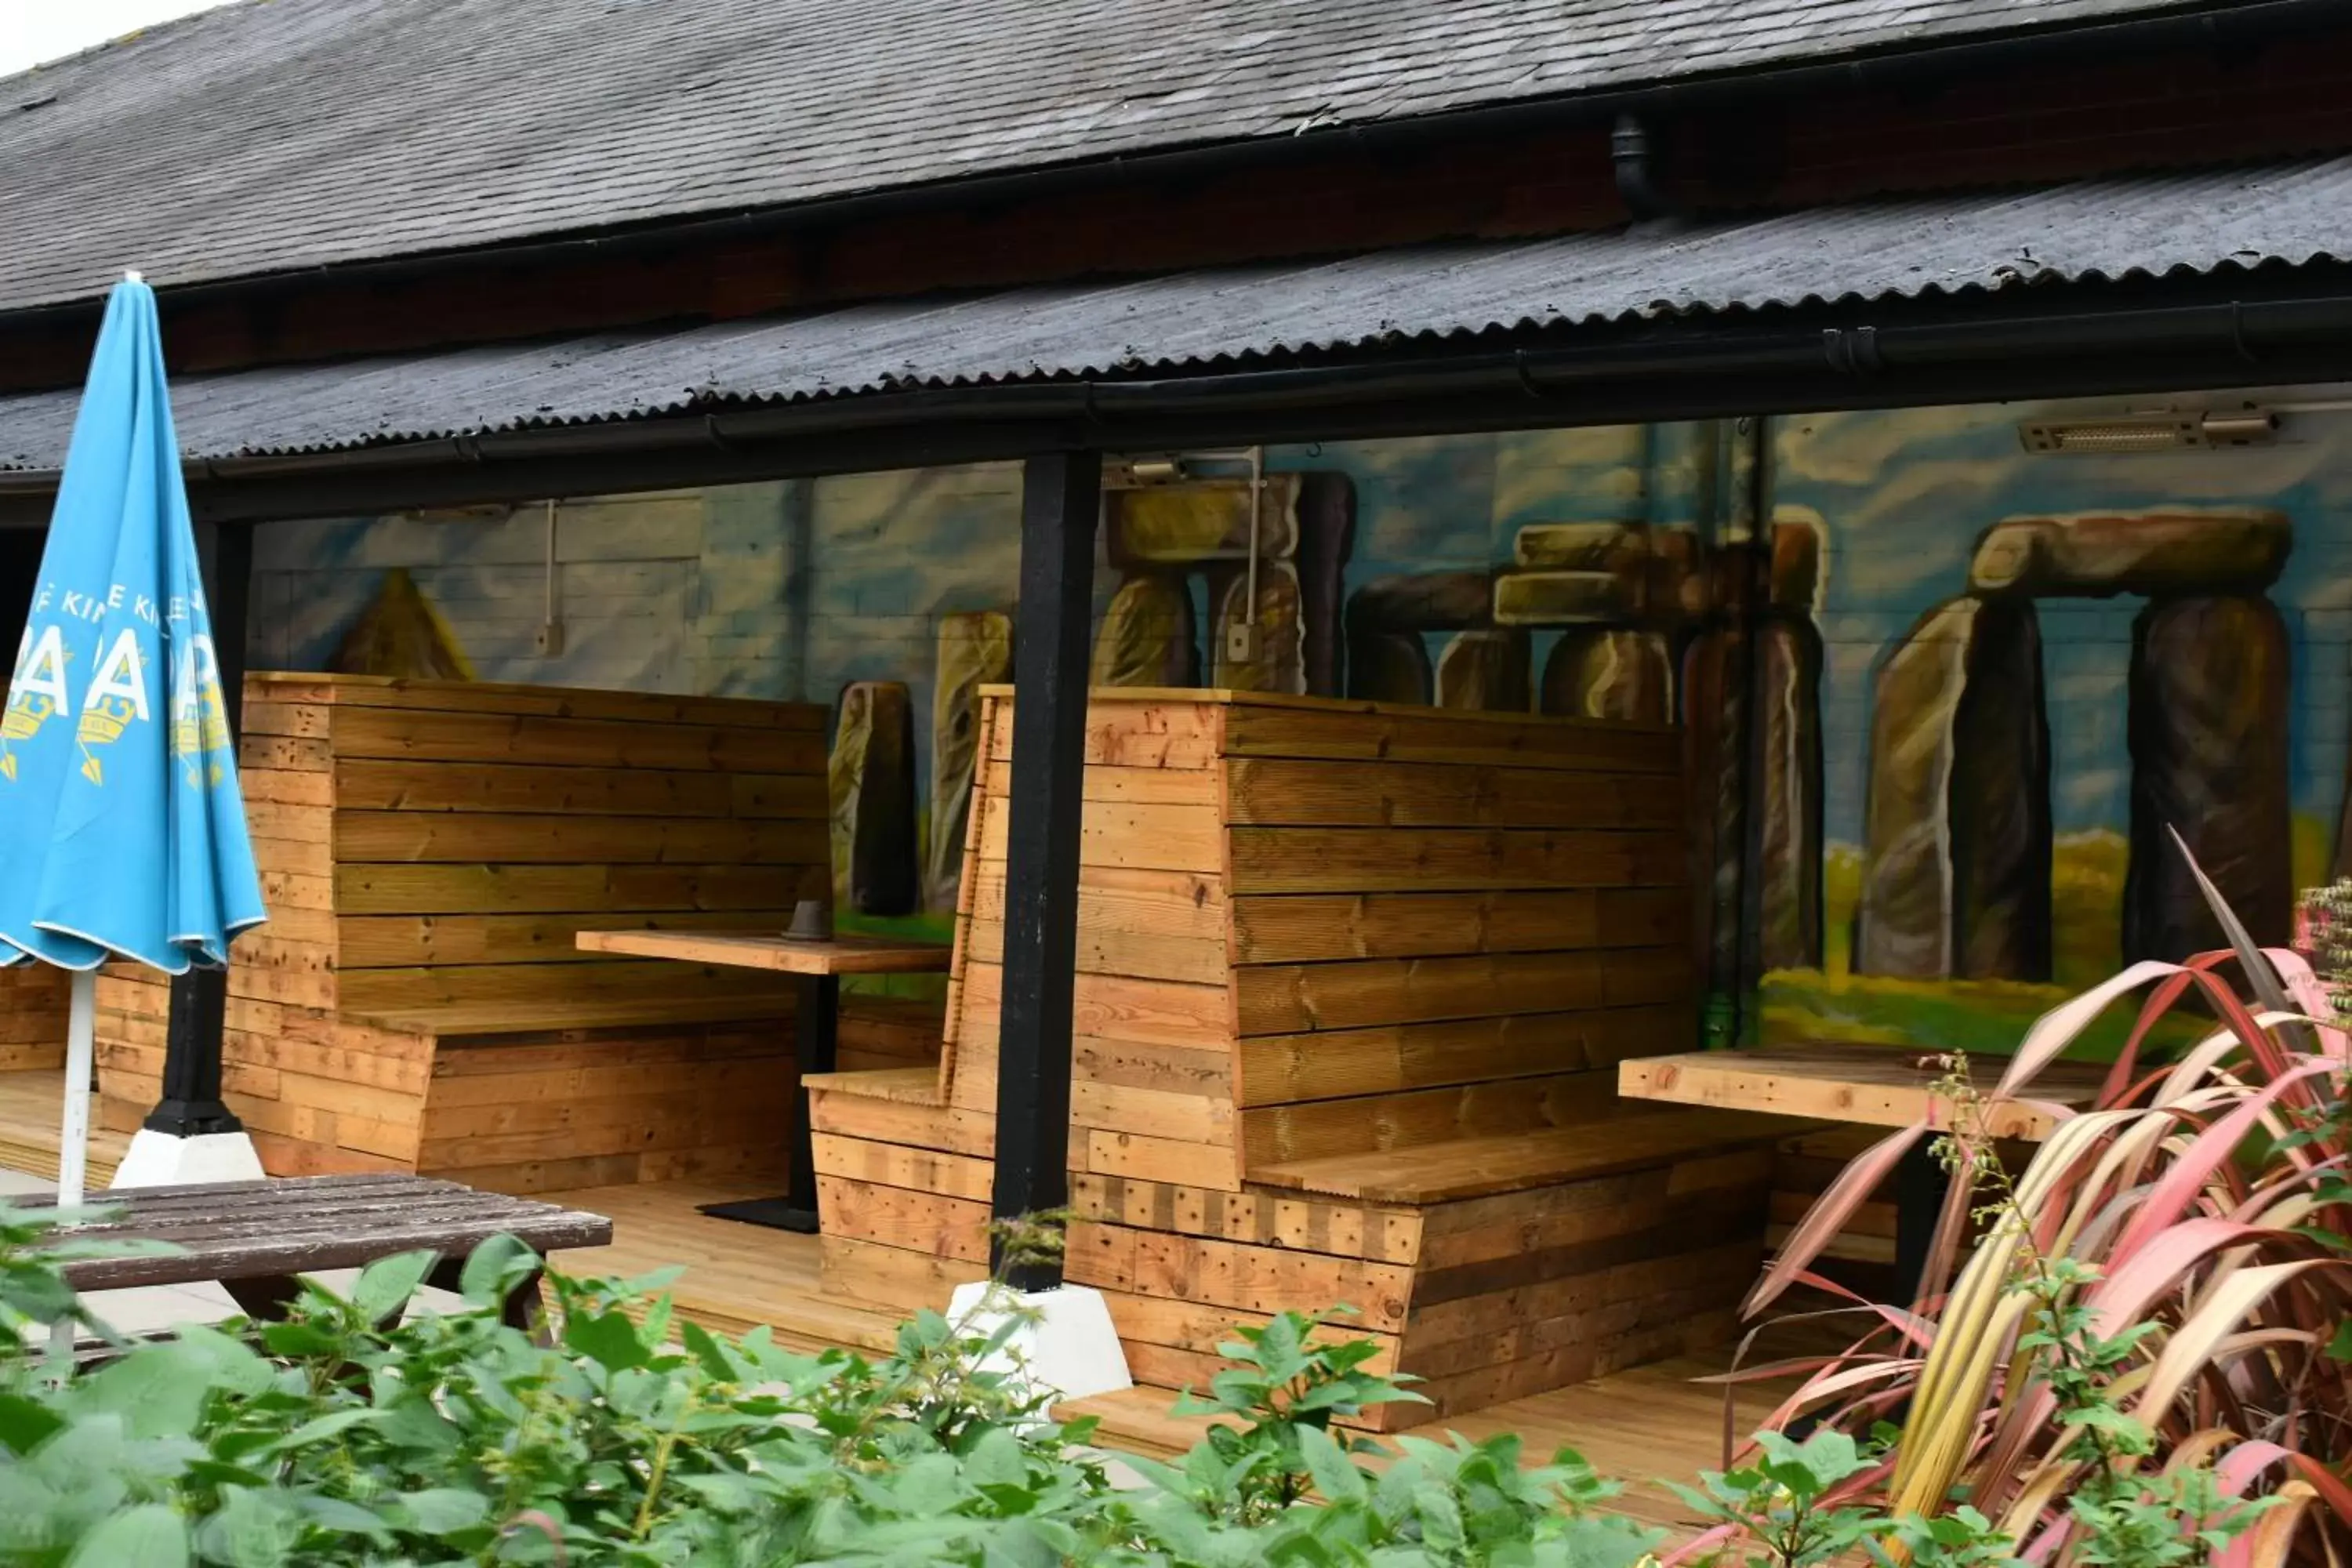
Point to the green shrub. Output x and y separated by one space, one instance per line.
348 1435
364 1433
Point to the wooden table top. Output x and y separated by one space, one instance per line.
244 1230
766 950
1876 1086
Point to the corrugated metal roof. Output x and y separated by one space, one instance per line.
279 135
1189 322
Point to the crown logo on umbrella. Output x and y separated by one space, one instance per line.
36 698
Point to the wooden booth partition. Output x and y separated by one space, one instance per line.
428 851
1352 983
33 1017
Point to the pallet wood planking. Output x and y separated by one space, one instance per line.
430 851
1341 943
32 1018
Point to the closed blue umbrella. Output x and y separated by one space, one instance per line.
122 832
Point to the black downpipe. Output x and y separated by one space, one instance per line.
1747 974
1637 182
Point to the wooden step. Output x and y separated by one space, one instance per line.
1480 1167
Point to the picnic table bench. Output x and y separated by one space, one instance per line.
255 1238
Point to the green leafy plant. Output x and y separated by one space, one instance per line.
2324 931
1301 1492
1962 1538
352 1433
367 1431
1784 1503
1284 1382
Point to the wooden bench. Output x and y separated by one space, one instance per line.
1464 1168
417 1001
255 1238
1352 985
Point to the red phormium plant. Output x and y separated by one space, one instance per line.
2151 1326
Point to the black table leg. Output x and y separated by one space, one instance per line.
815 1033
1921 1184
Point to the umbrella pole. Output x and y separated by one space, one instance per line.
73 1146
73 1138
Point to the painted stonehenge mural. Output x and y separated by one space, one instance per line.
1648 623
1958 851
1941 706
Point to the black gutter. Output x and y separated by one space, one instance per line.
2213 27
1666 373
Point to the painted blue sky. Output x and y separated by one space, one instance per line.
1905 495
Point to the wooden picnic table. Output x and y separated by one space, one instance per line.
255 1238
1871 1086
820 964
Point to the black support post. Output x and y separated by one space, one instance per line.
192 1104
1060 505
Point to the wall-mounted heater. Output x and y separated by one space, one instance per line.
2136 433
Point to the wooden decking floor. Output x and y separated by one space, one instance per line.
1636 1425
736 1276
30 1109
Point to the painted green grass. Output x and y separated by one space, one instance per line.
1989 1016
928 926
2087 875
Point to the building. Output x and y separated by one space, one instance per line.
1937 409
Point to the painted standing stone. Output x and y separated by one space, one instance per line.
1280 665
1675 587
975 650
2209 713
1610 573
1618 547
1194 523
1716 684
1389 667
1604 672
1567 598
1713 690
1148 637
873 787
1957 835
401 634
1485 669
2097 554
1423 602
1327 538
1796 567
1788 793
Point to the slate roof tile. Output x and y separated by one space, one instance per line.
277 134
